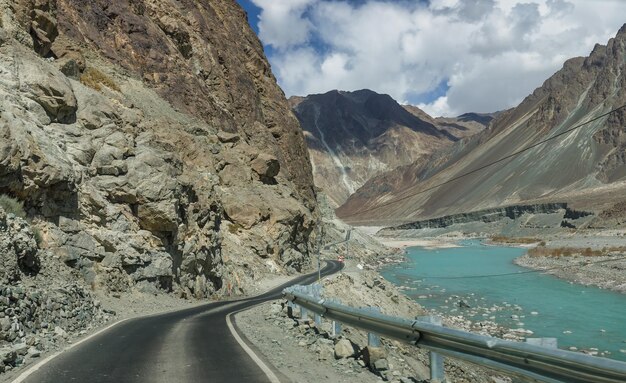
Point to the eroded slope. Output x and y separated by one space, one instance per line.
566 169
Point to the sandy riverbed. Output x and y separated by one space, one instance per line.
426 243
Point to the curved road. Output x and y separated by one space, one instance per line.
191 345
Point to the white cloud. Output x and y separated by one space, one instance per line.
439 107
491 53
281 22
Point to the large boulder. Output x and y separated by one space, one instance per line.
34 167
344 349
44 31
266 166
372 354
244 208
159 216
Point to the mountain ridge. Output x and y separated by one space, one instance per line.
582 89
353 136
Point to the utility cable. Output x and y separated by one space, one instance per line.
519 272
393 201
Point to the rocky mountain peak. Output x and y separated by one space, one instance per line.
353 136
382 111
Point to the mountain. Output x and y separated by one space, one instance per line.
461 126
353 136
150 146
586 166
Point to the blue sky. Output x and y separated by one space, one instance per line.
446 56
253 13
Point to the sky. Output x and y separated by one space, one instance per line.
446 56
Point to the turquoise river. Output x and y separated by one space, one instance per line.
584 317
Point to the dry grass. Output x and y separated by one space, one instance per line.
16 207
95 79
519 240
542 251
12 205
234 228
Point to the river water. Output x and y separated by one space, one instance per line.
579 316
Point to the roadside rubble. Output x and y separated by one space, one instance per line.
307 352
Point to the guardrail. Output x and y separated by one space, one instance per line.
514 358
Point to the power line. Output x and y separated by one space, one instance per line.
519 272
393 201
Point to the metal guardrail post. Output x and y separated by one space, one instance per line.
316 292
290 309
373 339
318 320
437 374
335 328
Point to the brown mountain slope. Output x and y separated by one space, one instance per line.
353 136
587 159
151 145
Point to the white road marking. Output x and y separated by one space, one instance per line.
268 372
37 366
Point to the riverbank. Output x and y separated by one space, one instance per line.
430 244
592 258
606 272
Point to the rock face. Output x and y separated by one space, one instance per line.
575 167
151 144
39 303
353 136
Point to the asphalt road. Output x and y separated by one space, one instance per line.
191 345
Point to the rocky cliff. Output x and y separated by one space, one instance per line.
354 136
151 145
573 167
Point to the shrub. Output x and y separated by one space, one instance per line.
234 228
38 235
12 205
542 251
16 207
516 240
93 78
